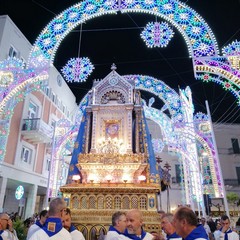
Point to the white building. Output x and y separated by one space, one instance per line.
28 148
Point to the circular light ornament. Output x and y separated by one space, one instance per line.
6 78
77 69
157 34
19 192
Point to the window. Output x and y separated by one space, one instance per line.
32 114
26 155
235 145
32 110
24 63
238 174
178 171
48 161
47 91
53 97
12 52
53 123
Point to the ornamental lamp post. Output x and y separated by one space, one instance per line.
159 197
166 179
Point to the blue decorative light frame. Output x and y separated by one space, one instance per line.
197 34
200 40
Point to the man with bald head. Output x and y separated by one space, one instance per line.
135 226
53 228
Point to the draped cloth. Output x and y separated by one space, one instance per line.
78 147
153 167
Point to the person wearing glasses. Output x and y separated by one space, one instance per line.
53 228
7 227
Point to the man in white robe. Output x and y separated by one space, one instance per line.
53 228
116 230
38 224
135 226
67 224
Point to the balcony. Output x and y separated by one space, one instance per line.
37 131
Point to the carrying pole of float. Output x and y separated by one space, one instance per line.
218 162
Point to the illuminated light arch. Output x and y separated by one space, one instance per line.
162 119
17 91
220 71
163 91
200 39
152 114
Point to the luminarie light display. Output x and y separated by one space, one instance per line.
77 69
157 34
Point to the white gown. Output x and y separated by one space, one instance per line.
77 235
63 234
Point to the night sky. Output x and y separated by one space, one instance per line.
116 39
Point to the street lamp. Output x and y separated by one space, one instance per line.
166 180
159 197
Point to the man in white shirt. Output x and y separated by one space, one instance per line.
38 224
186 224
134 226
53 228
67 224
168 228
225 232
116 230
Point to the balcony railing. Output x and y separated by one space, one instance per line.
37 131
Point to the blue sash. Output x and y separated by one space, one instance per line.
38 224
72 228
174 235
134 236
113 229
226 233
52 226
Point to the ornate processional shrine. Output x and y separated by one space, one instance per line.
187 135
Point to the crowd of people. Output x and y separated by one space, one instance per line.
56 224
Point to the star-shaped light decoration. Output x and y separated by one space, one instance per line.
157 34
77 69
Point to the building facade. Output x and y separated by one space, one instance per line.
27 159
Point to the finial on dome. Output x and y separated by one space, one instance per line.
113 67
